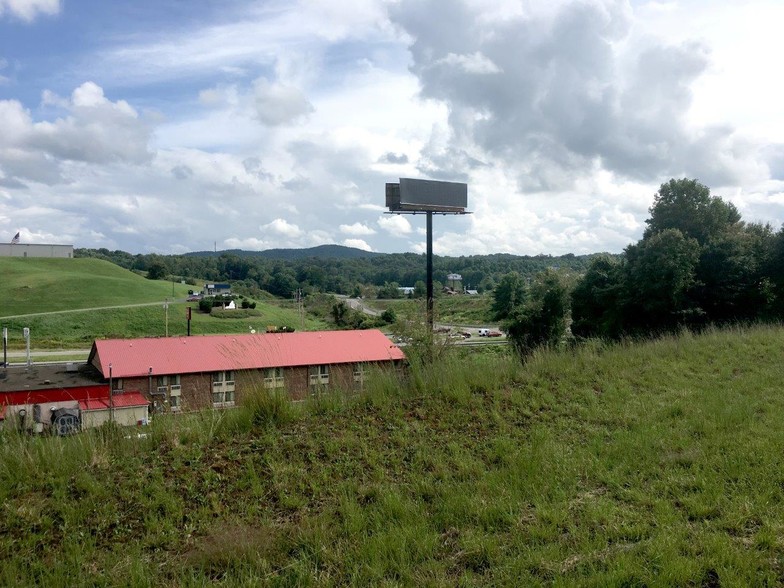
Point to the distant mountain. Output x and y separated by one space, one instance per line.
320 252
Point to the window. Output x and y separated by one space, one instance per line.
359 373
319 375
223 388
273 377
174 398
162 385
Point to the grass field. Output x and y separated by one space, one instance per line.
649 464
453 310
32 285
52 285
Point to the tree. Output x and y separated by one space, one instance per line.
508 295
157 270
340 312
731 282
659 275
688 206
596 300
420 289
389 290
541 319
389 316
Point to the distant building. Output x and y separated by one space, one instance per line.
406 290
454 280
216 289
35 250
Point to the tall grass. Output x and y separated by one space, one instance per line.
647 463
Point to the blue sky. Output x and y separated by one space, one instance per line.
169 126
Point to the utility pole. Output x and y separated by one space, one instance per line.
166 310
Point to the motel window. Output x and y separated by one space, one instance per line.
223 388
359 373
273 377
174 400
319 375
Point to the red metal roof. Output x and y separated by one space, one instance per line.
125 400
213 353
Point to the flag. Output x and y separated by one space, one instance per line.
15 240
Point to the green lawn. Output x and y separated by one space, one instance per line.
79 329
650 464
31 285
50 285
455 310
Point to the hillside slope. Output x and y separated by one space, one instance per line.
32 285
652 464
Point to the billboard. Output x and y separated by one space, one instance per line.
412 195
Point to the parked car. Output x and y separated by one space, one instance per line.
494 333
193 298
483 332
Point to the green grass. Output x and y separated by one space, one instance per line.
455 310
39 285
31 285
80 329
649 464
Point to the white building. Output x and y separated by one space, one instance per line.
35 250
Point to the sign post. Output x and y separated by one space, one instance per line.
411 196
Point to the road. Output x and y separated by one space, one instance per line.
18 316
357 304
67 352
48 353
360 305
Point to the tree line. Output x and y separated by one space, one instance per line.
697 264
350 276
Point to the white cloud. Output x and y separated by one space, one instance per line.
357 229
277 124
278 104
395 224
282 227
28 10
357 244
475 63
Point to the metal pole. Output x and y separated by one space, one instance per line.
430 270
111 396
26 333
5 347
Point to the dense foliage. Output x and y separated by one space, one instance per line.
698 263
283 277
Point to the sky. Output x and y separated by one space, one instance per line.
190 125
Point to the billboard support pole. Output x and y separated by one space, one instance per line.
412 196
430 270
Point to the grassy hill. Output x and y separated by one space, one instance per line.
43 285
655 463
54 285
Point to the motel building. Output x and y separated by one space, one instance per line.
174 374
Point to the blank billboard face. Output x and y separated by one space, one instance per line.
427 195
